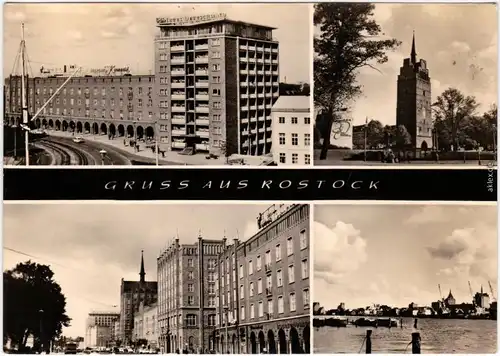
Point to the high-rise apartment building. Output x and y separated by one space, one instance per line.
186 295
99 328
263 301
216 82
133 294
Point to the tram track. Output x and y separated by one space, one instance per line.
63 154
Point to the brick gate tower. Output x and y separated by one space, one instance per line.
413 108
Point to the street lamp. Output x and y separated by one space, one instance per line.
41 330
226 313
103 155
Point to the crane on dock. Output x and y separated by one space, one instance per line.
493 298
472 294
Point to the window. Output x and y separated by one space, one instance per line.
190 262
295 158
216 54
282 139
252 311
216 92
269 281
261 309
250 267
295 120
303 239
217 105
215 41
191 320
268 257
242 313
270 308
211 320
293 305
279 278
190 287
216 79
291 274
282 157
307 158
281 308
295 139
305 269
242 292
190 275
190 300
259 286
259 263
307 121
216 67
227 278
307 139
241 271
278 253
281 120
251 289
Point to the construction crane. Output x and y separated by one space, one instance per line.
472 294
440 294
492 293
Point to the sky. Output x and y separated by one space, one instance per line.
96 35
459 43
398 254
91 247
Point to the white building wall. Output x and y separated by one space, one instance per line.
288 154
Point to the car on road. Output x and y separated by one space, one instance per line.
78 139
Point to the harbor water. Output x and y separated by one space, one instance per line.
438 336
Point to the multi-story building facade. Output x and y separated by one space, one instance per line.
291 130
263 303
215 83
99 328
217 80
120 106
133 294
146 325
186 295
414 101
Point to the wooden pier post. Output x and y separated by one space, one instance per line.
368 341
415 343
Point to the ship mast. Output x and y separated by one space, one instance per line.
23 98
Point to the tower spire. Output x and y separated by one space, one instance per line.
142 274
413 55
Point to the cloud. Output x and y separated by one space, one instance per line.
250 230
337 251
468 252
14 16
427 214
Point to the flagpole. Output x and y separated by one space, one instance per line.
24 100
366 135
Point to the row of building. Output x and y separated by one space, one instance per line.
225 296
214 86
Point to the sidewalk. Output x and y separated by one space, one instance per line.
171 156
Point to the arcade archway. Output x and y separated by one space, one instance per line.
140 132
121 130
58 125
51 123
38 123
253 343
79 127
86 127
282 342
306 335
295 341
112 129
103 128
65 125
272 342
150 132
130 131
262 342
424 146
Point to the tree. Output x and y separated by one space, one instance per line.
33 304
346 44
224 150
374 134
452 109
402 137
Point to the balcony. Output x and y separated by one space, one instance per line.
268 268
245 144
178 109
176 132
261 72
202 84
253 107
202 109
244 132
274 61
178 84
244 71
244 121
178 60
253 95
178 144
269 140
243 59
202 122
269 106
269 291
260 84
262 141
178 97
177 48
178 72
201 47
244 96
274 50
203 59
267 49
276 93
244 84
202 97
260 60
201 72
251 72
203 134
261 107
178 121
244 108
244 47
251 48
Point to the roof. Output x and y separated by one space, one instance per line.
190 21
297 102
